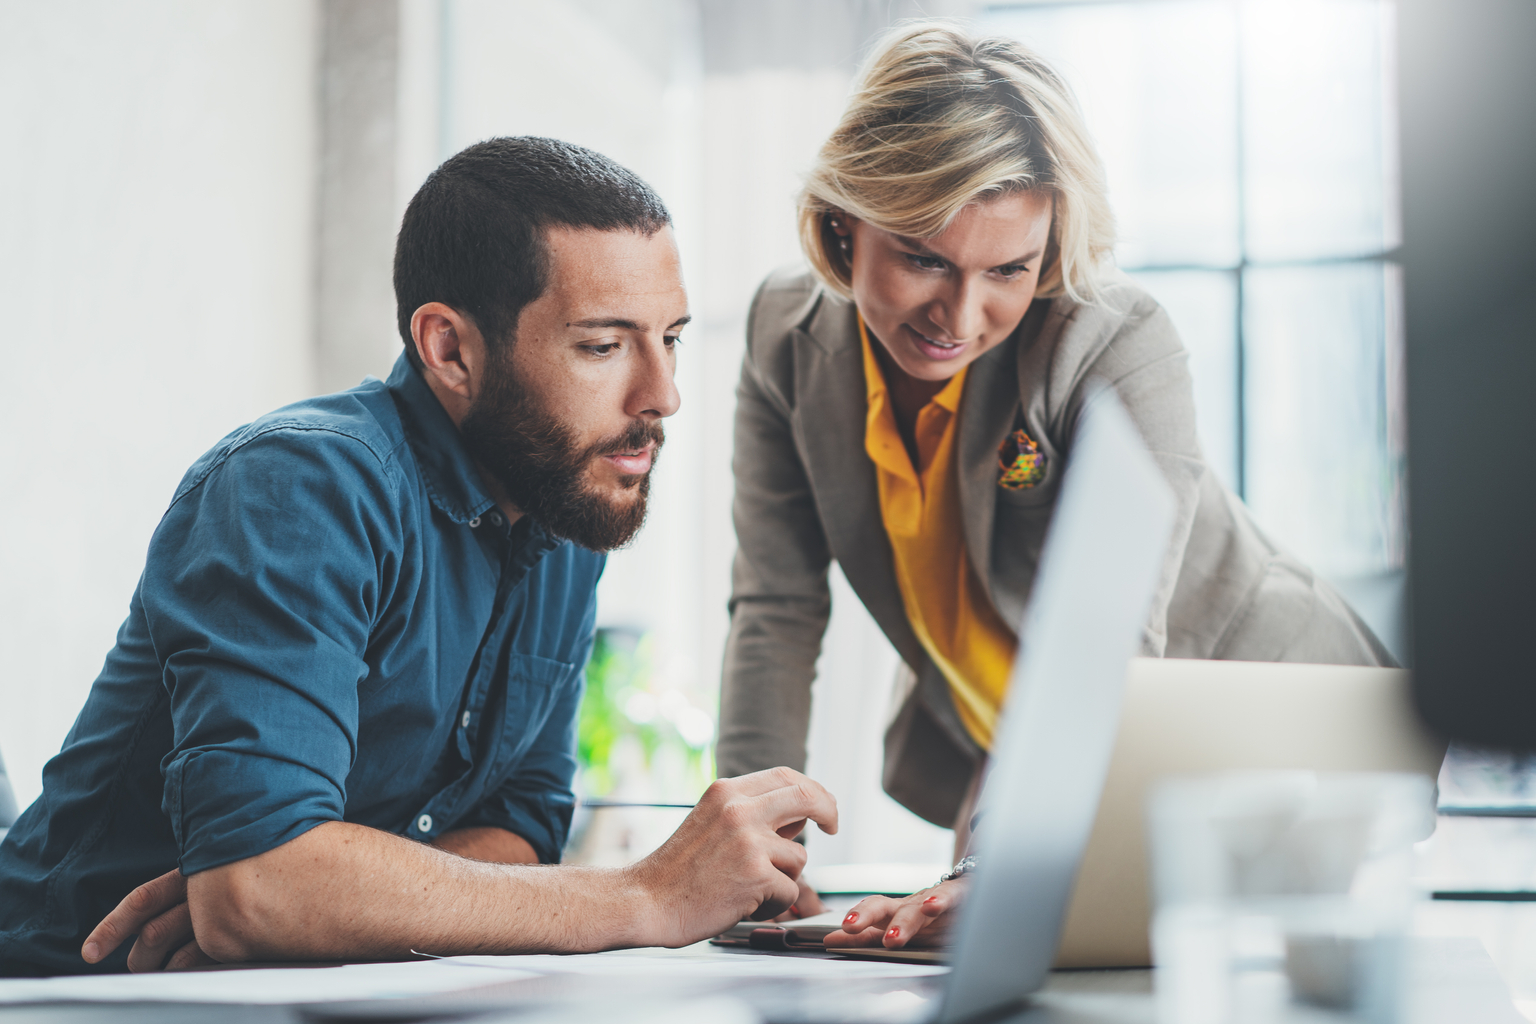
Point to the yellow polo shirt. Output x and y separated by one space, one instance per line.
946 603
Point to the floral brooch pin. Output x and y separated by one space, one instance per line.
1022 462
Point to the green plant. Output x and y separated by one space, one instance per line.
622 702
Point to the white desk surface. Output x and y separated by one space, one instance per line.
1453 981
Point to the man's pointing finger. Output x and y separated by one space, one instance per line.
805 799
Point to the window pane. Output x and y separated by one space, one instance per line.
1319 159
1203 305
1158 86
1324 444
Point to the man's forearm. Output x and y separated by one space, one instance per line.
347 891
496 845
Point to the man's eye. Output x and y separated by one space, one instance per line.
602 350
673 340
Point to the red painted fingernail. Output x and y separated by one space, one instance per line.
894 933
853 915
792 910
931 899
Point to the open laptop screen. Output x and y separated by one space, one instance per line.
1098 571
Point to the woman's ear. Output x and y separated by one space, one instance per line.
841 225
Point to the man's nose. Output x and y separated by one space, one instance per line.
653 392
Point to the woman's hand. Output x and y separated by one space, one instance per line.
922 919
157 913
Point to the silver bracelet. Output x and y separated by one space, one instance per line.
966 865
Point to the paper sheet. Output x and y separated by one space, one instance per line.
278 985
694 962
266 986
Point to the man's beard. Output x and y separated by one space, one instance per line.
535 458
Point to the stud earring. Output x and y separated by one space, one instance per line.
843 244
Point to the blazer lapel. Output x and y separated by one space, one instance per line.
830 409
987 412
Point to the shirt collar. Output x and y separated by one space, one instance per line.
947 399
453 482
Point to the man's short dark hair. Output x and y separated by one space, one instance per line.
473 236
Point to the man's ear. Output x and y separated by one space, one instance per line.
451 349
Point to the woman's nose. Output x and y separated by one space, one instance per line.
959 313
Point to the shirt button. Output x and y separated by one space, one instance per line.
465 720
475 522
496 518
424 823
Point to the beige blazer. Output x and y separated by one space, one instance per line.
806 494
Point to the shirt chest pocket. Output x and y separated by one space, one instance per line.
534 688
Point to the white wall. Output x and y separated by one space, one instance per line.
155 241
620 78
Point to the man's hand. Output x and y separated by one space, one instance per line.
922 919
735 855
807 904
157 913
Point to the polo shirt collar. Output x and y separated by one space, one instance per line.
453 482
882 441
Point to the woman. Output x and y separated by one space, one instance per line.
907 408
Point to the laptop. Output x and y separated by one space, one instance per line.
1191 717
1182 717
1098 570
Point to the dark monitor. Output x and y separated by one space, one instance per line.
1468 104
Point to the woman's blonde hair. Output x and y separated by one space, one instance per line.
940 119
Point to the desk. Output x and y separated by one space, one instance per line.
1453 982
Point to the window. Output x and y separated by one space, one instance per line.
1251 161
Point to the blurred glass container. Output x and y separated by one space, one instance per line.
1284 896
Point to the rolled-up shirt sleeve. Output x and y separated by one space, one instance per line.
261 589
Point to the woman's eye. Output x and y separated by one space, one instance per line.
925 262
1012 269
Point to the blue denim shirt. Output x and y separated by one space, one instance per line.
334 624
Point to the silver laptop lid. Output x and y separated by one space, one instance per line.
1098 571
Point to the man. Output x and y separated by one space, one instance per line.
338 721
